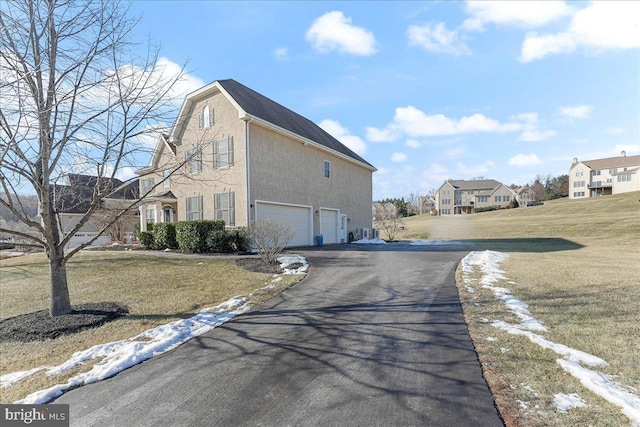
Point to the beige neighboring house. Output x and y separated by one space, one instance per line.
526 197
241 157
427 204
601 177
459 197
384 210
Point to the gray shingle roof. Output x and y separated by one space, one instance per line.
478 184
264 108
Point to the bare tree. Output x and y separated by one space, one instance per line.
270 237
74 96
391 224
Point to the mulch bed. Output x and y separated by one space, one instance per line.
39 326
256 265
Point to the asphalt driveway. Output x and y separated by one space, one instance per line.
374 336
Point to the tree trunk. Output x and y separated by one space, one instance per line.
60 302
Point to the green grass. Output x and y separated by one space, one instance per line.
157 290
577 264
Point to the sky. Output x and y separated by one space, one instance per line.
426 91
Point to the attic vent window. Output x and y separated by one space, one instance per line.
205 119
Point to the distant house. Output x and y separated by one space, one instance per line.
427 204
235 155
526 197
73 200
601 177
458 197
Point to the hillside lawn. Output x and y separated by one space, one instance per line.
157 289
577 264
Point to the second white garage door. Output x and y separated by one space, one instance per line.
329 225
298 217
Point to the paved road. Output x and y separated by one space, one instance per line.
374 336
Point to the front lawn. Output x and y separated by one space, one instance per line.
156 289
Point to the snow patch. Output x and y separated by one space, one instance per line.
301 264
369 242
564 402
7 380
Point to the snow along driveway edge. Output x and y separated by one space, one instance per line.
488 262
119 355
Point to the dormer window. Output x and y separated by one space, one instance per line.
205 119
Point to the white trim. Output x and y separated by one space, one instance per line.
310 208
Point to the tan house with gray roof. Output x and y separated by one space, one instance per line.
459 197
236 155
601 177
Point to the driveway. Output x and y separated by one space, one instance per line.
373 336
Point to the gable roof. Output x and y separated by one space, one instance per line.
252 104
77 195
611 162
478 184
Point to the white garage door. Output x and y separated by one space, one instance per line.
329 225
298 217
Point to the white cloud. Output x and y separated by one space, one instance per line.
526 14
600 26
398 157
342 134
281 54
475 170
530 131
523 160
616 131
333 31
166 70
414 123
413 143
436 38
576 111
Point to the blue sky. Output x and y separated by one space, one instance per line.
427 91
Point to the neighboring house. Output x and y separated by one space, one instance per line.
384 210
601 177
73 200
236 155
526 197
427 204
457 197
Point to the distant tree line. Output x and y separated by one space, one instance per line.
404 208
549 188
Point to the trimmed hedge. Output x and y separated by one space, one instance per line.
192 236
226 241
146 239
164 234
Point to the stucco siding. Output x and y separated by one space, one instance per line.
287 171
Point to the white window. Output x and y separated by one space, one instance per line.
224 207
165 179
579 173
194 208
625 177
150 215
577 184
146 184
205 119
483 199
327 169
193 161
223 153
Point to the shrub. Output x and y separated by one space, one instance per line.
146 239
486 209
240 239
192 236
270 237
164 234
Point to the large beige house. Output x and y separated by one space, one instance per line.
236 155
600 177
457 197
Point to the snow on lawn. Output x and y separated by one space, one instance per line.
488 262
564 402
300 262
370 242
120 355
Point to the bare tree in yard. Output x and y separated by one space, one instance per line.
270 237
391 224
74 96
